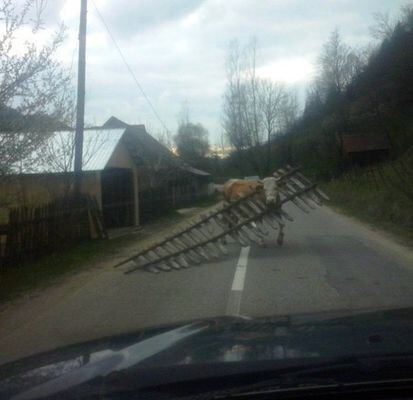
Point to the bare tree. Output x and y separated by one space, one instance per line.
57 152
253 116
235 96
383 27
165 138
288 111
406 17
272 96
337 65
34 87
242 121
254 109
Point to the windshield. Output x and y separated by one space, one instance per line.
221 178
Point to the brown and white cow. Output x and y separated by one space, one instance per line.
266 189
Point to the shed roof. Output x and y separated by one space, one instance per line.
148 151
194 170
57 153
98 146
359 143
144 148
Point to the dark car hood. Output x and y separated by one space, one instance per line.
217 341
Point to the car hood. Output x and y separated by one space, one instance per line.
216 341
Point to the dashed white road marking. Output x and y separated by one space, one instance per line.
234 301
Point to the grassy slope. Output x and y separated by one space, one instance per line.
381 204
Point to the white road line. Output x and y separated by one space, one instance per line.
234 301
241 270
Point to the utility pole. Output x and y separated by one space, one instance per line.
80 107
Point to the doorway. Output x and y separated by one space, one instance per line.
117 197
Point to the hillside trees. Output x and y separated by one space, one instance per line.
360 92
337 65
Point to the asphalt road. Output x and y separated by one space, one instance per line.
327 262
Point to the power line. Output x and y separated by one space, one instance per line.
71 73
129 68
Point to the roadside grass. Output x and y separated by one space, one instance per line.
30 277
38 275
383 207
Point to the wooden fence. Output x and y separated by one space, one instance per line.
35 231
396 175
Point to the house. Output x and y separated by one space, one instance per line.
364 150
162 175
124 168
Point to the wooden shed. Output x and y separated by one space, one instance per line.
109 174
365 150
165 181
132 176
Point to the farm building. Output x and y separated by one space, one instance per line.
132 176
365 150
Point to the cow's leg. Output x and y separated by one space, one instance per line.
224 226
280 237
233 223
275 210
229 221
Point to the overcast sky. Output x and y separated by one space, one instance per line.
177 49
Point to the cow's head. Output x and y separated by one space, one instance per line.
270 190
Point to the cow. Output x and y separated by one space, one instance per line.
267 192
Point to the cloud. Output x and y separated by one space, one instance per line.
288 70
177 49
131 17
